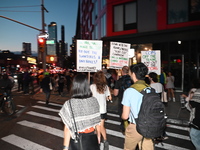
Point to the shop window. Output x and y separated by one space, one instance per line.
125 17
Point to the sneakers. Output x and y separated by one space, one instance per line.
106 145
174 99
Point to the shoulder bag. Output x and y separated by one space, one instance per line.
83 141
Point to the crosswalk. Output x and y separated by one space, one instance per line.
41 126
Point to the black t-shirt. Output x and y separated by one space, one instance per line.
119 85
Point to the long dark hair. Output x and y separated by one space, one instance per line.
80 87
100 80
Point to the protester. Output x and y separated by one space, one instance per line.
46 87
26 81
6 84
131 102
121 85
193 105
162 78
153 77
61 83
170 86
20 81
101 92
85 110
68 80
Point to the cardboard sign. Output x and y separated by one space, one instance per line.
119 54
89 55
152 60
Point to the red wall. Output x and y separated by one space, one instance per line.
161 18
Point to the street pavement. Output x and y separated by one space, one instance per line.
40 126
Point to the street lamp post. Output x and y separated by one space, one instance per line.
43 32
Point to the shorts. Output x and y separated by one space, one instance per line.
104 116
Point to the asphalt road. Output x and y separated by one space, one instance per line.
37 126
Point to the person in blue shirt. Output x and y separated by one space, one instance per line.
131 102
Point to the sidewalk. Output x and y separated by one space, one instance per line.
175 113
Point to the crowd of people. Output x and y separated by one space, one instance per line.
102 86
84 114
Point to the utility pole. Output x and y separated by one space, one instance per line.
43 31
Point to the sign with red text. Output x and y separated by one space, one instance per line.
119 54
89 55
152 60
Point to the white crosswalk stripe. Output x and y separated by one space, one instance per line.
23 143
41 112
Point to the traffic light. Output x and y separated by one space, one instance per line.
41 44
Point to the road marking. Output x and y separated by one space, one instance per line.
178 136
44 116
170 147
46 108
23 143
41 127
178 127
42 102
55 131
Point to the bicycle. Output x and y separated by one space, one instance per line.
7 104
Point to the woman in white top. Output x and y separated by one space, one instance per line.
170 86
153 77
101 92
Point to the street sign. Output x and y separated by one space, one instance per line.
43 35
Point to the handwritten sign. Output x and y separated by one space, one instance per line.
119 54
89 55
152 60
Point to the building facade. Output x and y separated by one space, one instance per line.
173 27
26 49
52 40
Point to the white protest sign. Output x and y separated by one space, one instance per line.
119 54
152 60
89 55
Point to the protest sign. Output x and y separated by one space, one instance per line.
152 60
89 55
119 55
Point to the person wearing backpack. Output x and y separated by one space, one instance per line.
132 100
121 85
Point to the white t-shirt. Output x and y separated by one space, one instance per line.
101 98
157 86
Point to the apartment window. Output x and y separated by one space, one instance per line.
103 4
95 12
96 32
125 17
194 10
103 25
177 11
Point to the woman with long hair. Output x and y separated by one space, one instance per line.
170 86
101 91
81 114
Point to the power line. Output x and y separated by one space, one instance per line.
21 6
18 11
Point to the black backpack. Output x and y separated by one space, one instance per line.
151 121
126 82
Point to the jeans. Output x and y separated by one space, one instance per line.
195 137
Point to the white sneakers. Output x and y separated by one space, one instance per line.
173 99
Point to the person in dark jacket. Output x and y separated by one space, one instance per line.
6 84
45 86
